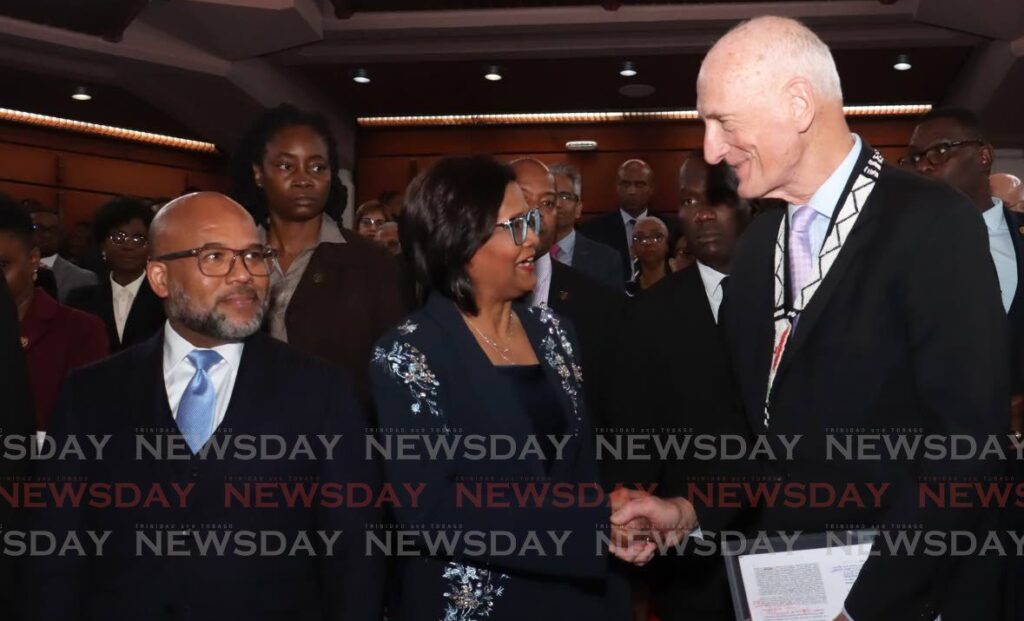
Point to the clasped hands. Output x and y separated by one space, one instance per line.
641 522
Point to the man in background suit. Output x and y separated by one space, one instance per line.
869 303
948 144
49 235
687 385
571 247
209 378
594 309
634 188
1009 189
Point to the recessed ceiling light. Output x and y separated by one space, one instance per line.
628 70
81 94
581 145
493 73
902 63
361 76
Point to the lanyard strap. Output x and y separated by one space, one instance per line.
784 315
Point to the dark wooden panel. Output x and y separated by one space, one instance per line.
46 195
80 206
99 174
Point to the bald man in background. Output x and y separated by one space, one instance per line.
870 303
210 375
1009 189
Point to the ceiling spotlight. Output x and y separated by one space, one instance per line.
361 76
81 94
628 70
493 73
581 145
902 63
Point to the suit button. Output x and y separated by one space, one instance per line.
195 472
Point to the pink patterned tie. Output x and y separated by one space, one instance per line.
801 256
555 251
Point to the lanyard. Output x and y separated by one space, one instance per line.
784 315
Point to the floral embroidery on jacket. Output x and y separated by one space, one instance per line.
565 365
408 365
407 327
471 592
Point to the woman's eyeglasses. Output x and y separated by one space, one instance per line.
647 240
120 238
520 226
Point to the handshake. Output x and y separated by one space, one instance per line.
640 522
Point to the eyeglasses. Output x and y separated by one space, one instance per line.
519 226
373 223
937 155
647 240
567 197
217 261
120 238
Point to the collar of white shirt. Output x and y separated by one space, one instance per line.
49 261
131 288
826 197
542 268
177 348
994 217
626 217
712 279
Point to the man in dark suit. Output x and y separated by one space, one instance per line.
948 144
687 385
218 409
594 309
634 188
49 235
870 303
571 247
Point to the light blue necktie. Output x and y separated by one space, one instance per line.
197 405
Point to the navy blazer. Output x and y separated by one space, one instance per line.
145 318
430 377
608 229
278 392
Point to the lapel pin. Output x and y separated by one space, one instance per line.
24 342
318 278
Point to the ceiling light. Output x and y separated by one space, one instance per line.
493 73
361 76
628 70
81 94
902 63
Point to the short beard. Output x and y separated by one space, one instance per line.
212 322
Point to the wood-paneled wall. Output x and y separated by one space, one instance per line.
388 158
77 173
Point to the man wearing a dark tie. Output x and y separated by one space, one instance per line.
195 419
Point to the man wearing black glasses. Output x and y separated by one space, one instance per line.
215 405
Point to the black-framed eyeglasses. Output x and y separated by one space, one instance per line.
647 240
936 155
120 238
567 197
219 261
521 225
373 223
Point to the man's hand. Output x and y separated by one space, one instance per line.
634 530
671 520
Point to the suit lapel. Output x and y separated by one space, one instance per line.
105 309
855 241
1016 227
538 332
141 310
38 320
248 380
560 297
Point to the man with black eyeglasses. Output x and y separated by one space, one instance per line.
571 247
214 408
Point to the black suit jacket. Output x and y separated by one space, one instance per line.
430 378
348 297
145 318
684 387
596 313
907 332
16 419
598 261
280 395
608 229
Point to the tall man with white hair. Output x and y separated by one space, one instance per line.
870 305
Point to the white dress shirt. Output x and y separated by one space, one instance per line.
826 198
48 261
542 268
629 227
1000 245
123 298
712 286
178 371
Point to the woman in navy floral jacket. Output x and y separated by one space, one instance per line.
480 405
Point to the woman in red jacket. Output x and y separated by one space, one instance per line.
55 338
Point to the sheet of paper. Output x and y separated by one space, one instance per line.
802 585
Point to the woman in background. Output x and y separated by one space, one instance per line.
332 292
650 247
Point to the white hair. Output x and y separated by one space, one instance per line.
661 223
790 48
569 171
